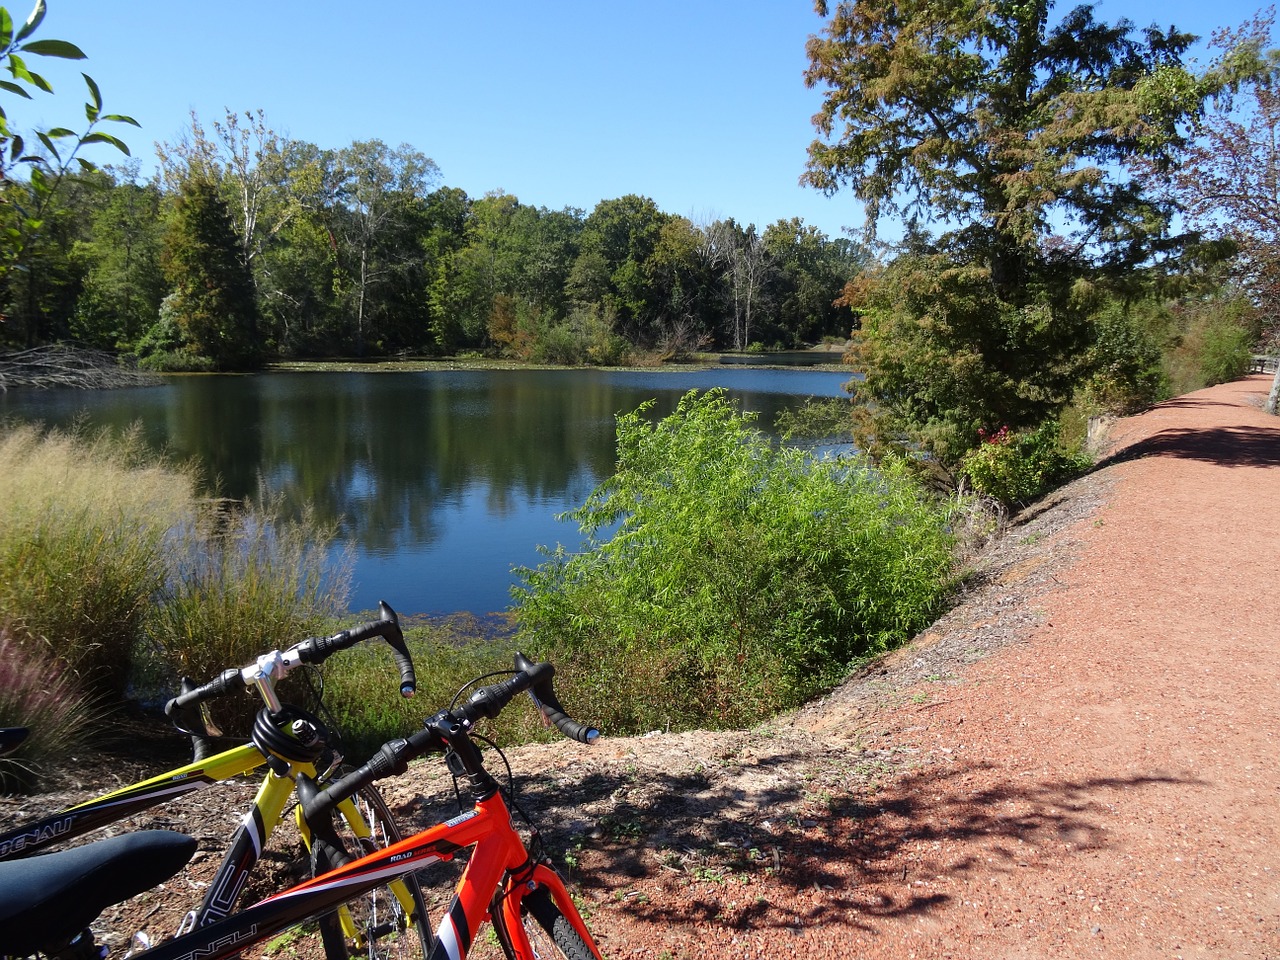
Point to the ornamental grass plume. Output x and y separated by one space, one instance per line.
42 695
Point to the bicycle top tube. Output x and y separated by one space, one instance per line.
90 815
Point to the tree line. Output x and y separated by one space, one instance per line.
1083 209
246 247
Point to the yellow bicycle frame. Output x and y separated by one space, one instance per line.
256 826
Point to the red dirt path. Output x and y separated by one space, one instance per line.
1106 787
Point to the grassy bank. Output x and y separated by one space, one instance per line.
743 580
116 578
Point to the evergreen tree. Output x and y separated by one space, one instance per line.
124 284
213 301
1019 136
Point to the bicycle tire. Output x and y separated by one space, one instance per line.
549 931
376 925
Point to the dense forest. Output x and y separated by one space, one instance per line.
246 247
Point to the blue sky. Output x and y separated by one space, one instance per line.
697 104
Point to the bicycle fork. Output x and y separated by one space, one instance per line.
363 832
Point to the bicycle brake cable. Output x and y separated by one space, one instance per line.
511 779
510 789
313 677
535 847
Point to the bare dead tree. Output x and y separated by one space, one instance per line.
743 259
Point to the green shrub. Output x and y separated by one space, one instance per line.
164 348
176 361
40 694
725 578
819 418
1125 361
585 338
1225 353
943 354
1214 342
1016 468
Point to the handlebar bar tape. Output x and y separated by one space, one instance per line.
544 697
194 721
228 680
318 649
392 759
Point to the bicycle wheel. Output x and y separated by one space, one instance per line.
550 933
388 922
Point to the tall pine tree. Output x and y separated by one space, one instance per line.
213 301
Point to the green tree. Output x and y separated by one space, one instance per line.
506 283
25 204
378 192
1016 135
41 293
248 160
295 289
271 186
945 358
296 262
445 221
1007 128
537 248
213 303
811 271
1229 182
618 239
124 282
474 275
684 289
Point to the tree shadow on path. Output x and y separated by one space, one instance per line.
840 851
1222 446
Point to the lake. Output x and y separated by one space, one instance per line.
442 480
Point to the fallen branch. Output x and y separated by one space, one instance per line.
57 365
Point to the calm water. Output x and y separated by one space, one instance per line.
442 480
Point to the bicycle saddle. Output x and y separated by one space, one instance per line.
47 900
11 738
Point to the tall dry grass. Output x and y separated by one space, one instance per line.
243 582
115 567
84 522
